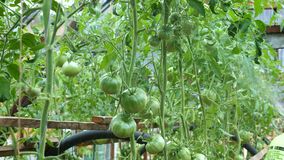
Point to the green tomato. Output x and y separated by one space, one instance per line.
184 154
172 75
110 85
70 69
61 60
154 106
199 156
174 17
172 44
122 125
164 33
177 30
134 100
156 144
187 27
154 41
33 92
245 136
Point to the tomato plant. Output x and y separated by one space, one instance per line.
207 63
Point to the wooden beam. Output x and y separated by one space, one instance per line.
35 123
273 29
105 120
9 150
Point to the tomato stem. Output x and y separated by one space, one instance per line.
134 41
132 63
133 149
163 61
184 126
49 66
15 144
199 93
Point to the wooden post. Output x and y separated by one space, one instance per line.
112 151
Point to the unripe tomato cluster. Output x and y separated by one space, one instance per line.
69 69
171 33
133 101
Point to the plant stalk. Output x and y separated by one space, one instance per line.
199 94
134 41
133 148
132 64
184 126
49 66
166 12
15 144
43 122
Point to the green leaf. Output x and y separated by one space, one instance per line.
37 47
198 6
16 2
29 39
236 50
212 5
232 30
55 6
232 16
14 44
4 89
46 13
258 49
107 60
244 25
260 25
1 11
225 5
13 70
258 7
239 26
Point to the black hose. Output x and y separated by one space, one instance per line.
86 136
247 146
89 135
250 149
142 149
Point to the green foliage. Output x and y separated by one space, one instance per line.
4 89
227 68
